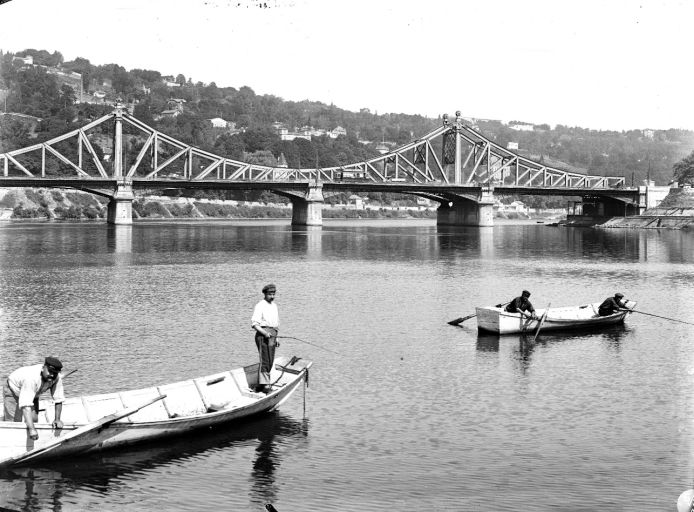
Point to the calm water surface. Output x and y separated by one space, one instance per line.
407 412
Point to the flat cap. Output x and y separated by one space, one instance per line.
54 362
618 295
269 288
526 293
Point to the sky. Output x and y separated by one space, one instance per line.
599 64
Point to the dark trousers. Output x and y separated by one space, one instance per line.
266 351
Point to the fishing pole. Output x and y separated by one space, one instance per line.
657 316
308 343
70 373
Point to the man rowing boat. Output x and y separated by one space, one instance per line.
522 305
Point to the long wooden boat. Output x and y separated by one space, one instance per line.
100 422
497 320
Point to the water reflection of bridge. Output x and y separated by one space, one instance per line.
454 165
421 242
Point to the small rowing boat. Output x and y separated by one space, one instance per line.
100 422
497 320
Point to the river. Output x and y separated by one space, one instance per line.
403 412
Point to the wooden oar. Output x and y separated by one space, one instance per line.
460 320
100 423
657 316
542 321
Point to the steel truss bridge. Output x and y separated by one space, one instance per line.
117 153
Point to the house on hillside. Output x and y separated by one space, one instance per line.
336 132
285 134
174 108
521 127
356 202
24 61
220 123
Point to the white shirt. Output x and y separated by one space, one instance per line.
265 314
26 383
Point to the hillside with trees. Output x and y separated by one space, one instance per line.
41 90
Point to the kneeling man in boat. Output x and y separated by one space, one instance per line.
522 305
612 305
24 386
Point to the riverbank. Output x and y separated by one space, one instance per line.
68 204
676 211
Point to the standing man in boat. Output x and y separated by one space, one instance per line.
24 386
266 323
612 304
522 305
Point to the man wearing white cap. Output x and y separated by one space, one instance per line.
24 386
266 322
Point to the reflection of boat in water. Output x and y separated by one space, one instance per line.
98 422
496 319
76 480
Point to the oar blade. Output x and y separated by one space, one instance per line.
542 321
460 320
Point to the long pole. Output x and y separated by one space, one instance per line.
308 343
658 316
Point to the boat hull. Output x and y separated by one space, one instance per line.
496 320
156 421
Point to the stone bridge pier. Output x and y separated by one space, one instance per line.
462 210
120 204
307 205
120 207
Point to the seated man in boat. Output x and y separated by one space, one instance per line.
612 305
24 386
522 305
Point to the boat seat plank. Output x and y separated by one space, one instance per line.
102 405
73 411
241 378
155 412
183 398
218 390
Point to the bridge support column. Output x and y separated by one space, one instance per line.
308 211
466 212
120 207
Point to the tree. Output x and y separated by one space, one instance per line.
684 170
67 96
13 134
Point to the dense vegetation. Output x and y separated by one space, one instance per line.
635 154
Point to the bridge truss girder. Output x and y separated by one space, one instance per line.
452 154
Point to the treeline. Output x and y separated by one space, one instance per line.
634 154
